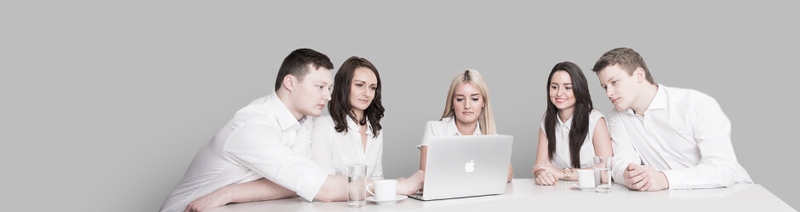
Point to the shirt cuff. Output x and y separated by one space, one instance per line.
674 179
311 184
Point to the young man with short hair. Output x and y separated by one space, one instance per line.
264 152
664 137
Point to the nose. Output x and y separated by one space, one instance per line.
327 95
560 92
365 92
609 91
467 104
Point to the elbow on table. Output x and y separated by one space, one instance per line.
324 195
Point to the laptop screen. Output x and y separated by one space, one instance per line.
464 166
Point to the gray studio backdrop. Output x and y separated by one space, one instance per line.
105 104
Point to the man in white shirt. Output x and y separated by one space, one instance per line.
663 137
267 140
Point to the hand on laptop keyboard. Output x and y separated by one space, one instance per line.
410 185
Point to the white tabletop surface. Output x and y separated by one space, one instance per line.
524 195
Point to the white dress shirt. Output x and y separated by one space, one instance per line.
561 158
683 134
445 127
334 151
263 139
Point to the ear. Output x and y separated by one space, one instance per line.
288 82
639 72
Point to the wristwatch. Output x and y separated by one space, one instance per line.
567 173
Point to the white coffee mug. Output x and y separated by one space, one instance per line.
384 189
586 178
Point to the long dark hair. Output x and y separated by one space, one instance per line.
340 108
580 116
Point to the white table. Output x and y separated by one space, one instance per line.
525 195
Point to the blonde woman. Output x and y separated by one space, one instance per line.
467 112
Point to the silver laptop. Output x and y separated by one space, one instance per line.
466 166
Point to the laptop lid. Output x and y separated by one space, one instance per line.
466 166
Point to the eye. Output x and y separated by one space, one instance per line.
569 88
459 99
475 99
359 85
553 87
614 82
604 87
374 88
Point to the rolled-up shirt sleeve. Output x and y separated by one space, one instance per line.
427 134
622 145
259 146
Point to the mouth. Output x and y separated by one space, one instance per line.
320 106
560 100
364 101
614 100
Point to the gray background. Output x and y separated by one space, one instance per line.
105 104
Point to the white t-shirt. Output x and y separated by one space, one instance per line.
263 139
561 158
444 127
683 134
334 151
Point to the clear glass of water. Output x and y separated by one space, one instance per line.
356 185
602 173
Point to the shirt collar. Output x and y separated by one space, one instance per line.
567 124
659 101
282 114
353 126
452 129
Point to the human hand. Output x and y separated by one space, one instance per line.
636 177
212 200
645 178
545 177
546 166
410 185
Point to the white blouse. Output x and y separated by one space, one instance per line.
445 127
561 157
334 151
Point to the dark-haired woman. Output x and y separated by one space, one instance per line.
352 133
571 131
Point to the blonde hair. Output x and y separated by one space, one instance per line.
474 78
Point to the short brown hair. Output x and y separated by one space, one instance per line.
626 58
297 64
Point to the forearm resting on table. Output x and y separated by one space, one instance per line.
510 173
333 189
259 190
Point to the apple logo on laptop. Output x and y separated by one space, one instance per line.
470 166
